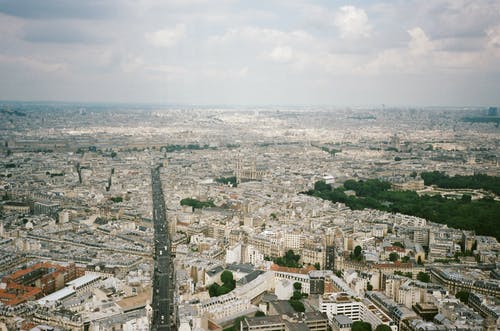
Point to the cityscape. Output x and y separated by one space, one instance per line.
235 165
216 218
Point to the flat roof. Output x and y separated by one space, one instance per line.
342 319
282 307
134 302
241 267
58 295
69 290
264 320
82 281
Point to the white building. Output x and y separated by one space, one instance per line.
340 304
237 302
253 256
233 254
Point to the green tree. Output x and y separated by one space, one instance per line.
227 180
383 327
398 244
196 204
226 277
369 287
259 313
212 290
423 277
477 215
297 286
393 256
466 198
322 186
296 295
228 284
476 181
463 296
405 259
317 266
290 255
361 326
297 305
290 259
116 199
221 290
357 251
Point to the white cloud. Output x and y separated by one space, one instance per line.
243 72
225 73
33 63
493 36
295 47
281 54
425 55
262 35
167 69
167 37
352 22
419 43
419 56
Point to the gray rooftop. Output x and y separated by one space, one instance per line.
241 267
342 319
251 276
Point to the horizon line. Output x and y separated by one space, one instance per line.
229 105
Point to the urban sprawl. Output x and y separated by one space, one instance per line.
116 217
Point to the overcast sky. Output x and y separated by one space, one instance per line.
422 53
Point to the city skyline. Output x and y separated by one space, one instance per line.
236 165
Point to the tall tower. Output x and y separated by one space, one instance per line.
238 169
253 174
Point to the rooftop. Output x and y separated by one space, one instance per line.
342 319
82 281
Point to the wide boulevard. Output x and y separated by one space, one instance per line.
162 278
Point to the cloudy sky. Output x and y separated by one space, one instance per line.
422 53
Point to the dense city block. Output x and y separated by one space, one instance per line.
266 218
